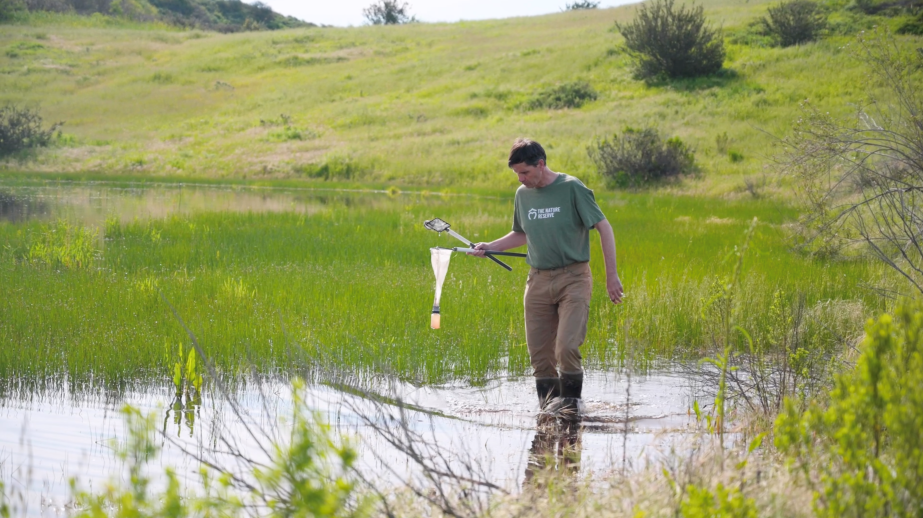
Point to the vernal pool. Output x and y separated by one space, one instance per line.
105 286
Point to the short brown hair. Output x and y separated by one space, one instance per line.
526 151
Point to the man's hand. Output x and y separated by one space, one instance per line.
614 287
479 249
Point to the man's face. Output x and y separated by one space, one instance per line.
529 175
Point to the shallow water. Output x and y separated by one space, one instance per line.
46 441
92 202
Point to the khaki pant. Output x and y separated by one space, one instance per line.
557 305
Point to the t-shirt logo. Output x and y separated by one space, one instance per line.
543 213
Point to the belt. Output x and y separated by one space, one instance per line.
560 267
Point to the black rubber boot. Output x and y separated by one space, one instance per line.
547 389
571 389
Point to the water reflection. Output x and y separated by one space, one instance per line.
17 208
556 447
184 410
92 203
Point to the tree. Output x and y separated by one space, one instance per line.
862 176
388 12
794 22
670 42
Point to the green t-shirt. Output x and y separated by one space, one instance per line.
557 220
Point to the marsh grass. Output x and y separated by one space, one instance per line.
337 284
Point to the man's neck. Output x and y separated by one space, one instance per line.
548 178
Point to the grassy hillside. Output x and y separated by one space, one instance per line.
420 104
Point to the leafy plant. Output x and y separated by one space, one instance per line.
671 42
641 157
187 378
388 12
794 22
63 245
567 95
723 502
21 128
861 453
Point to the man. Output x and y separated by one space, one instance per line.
553 215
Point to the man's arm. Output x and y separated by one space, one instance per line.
511 240
607 240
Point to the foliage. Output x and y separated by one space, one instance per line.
887 7
388 12
862 179
866 443
794 22
913 26
220 15
187 377
21 128
63 245
567 95
665 41
9 9
309 475
581 4
701 502
641 157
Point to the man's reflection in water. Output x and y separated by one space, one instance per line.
556 446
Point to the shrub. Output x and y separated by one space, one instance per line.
670 42
584 4
913 26
866 443
21 128
9 9
568 95
641 157
388 12
794 22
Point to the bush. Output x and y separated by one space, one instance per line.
866 443
640 157
21 128
585 4
568 95
795 22
388 12
9 9
913 26
672 42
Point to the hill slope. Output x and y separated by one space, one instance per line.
421 104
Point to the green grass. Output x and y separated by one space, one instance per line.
423 104
348 285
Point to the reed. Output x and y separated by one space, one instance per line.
347 285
